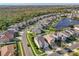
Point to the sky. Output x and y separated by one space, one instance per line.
39 1
39 4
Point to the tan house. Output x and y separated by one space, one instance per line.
49 38
7 50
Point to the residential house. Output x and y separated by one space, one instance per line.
36 30
20 25
66 34
76 27
7 36
7 50
49 38
69 32
40 42
13 27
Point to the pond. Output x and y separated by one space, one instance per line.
65 23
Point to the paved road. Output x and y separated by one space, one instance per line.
27 50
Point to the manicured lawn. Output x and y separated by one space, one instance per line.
36 51
20 48
76 52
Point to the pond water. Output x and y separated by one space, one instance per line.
65 23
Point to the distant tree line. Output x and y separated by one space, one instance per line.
10 16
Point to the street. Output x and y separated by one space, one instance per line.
27 50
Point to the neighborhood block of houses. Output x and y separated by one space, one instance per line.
46 42
43 41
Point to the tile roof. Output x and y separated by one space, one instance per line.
49 38
40 41
7 50
6 36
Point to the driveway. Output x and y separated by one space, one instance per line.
76 45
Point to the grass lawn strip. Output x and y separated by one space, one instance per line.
20 48
31 45
35 51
